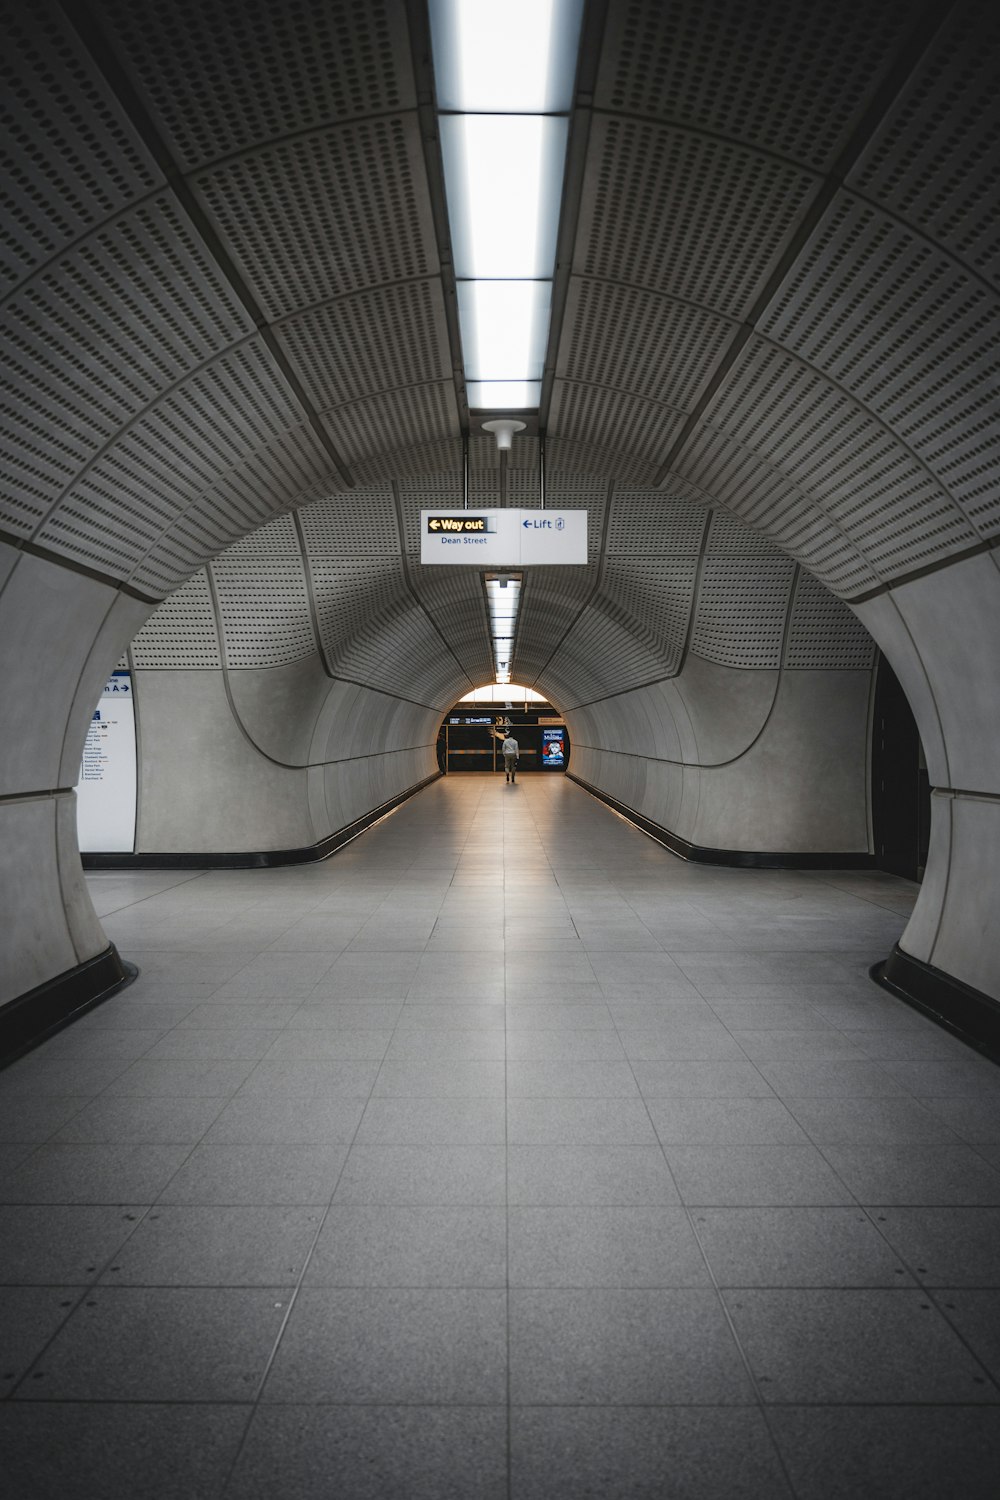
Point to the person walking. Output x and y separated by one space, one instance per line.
511 751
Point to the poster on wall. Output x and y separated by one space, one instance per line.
105 793
554 749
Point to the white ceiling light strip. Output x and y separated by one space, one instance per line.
503 597
504 75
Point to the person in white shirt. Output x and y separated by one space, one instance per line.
511 751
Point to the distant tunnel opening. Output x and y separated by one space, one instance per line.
471 735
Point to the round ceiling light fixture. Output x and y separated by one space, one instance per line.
503 429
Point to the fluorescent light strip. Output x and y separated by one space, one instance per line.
507 72
503 598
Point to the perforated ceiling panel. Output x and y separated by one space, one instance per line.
934 163
789 78
350 593
70 159
321 215
653 597
644 428
370 342
264 609
221 76
358 523
181 632
394 419
599 657
742 604
652 521
693 217
822 631
914 337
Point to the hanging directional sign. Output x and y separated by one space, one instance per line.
510 538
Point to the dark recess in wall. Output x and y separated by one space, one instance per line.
901 797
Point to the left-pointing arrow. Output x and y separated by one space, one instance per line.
435 525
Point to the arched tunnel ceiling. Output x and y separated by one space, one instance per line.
228 295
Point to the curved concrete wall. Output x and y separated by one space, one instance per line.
743 760
278 758
941 634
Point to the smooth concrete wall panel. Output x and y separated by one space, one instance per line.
37 944
203 785
85 931
279 706
967 942
887 626
925 920
49 618
793 757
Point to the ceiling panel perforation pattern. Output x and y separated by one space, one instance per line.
220 76
724 211
791 78
823 633
644 429
601 657
326 214
849 464
657 594
407 649
523 488
221 417
369 342
757 493
653 521
911 335
729 534
446 589
484 487
351 592
357 522
281 474
572 457
393 419
180 633
276 538
936 159
415 467
523 454
265 610
69 158
740 615
639 341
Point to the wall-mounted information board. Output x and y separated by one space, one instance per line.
105 793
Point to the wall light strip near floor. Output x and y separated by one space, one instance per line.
504 75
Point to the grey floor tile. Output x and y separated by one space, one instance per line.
701 1080
975 1315
161 1344
142 1121
814 1045
724 1122
735 1176
916 1174
673 1044
109 1044
622 1348
369 1246
30 1316
578 1122
797 1247
447 1015
445 1045
374 1452
870 1122
945 1246
973 1077
431 1175
51 1245
561 1079
565 1046
78 1451
631 1453
213 1246
287 1119
604 1247
210 1015
894 1452
192 1079
38 1076
568 1175
877 1346
30 1121
433 1122
453 1078
258 1174
557 1016
974 1118
112 1172
833 1079
310 1078
345 1015
392 1347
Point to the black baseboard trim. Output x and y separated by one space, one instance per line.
968 1013
744 859
49 1007
261 859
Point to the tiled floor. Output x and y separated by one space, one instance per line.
503 1154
